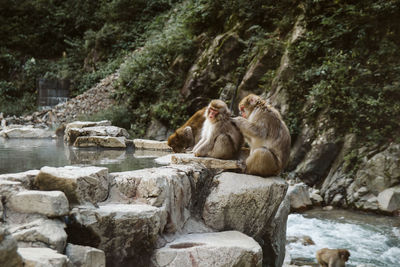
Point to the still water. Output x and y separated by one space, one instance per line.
18 155
371 239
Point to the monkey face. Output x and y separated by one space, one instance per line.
212 113
242 111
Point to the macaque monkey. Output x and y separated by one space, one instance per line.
266 134
188 134
220 138
332 257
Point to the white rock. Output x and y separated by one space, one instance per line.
49 203
71 134
84 256
210 163
8 250
243 202
299 196
41 233
80 184
124 232
151 144
25 178
229 248
389 199
100 141
83 124
26 132
42 257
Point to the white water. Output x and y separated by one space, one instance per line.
370 239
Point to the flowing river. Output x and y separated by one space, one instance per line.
370 239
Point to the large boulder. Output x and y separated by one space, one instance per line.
211 163
80 184
299 197
172 189
151 144
246 203
25 178
26 132
84 256
43 257
229 248
41 233
49 203
126 233
71 134
8 250
389 199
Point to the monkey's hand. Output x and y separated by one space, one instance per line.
239 121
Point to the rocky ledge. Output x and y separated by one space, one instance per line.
176 215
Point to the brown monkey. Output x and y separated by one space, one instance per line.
188 134
266 134
220 138
332 257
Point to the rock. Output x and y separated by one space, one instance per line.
141 153
274 249
26 132
166 160
248 204
42 257
229 248
49 203
299 197
126 233
327 208
41 233
100 141
305 240
25 178
71 134
9 188
210 163
151 144
84 256
169 188
8 250
80 184
318 160
380 172
389 199
316 199
84 124
157 131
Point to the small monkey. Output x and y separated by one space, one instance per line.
332 257
188 134
266 134
220 138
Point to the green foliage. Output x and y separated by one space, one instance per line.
347 66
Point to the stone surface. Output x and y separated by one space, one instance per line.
84 124
211 163
41 233
42 257
157 131
26 132
389 199
229 248
126 233
80 184
25 178
169 188
249 204
9 188
299 197
49 203
151 144
71 134
100 141
84 256
8 250
141 153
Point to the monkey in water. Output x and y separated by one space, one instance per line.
332 257
188 134
266 134
220 138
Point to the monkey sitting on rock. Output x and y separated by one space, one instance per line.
332 257
266 134
220 138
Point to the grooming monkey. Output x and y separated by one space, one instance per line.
220 138
266 134
188 134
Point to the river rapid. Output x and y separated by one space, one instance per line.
371 239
